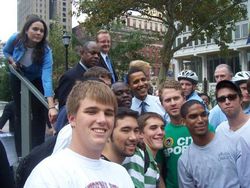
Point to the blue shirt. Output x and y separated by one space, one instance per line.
153 104
216 116
194 96
247 110
16 50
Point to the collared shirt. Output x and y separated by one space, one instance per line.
153 104
83 66
216 116
108 64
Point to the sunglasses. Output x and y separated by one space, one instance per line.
230 97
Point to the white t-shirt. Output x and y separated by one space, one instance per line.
63 138
244 131
68 169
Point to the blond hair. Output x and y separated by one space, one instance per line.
90 89
140 64
102 31
170 84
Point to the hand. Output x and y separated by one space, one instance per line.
52 115
15 66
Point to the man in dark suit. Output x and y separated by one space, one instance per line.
103 40
89 58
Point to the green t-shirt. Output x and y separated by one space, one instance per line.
177 139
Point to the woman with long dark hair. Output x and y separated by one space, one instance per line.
29 53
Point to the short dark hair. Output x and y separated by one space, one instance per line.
185 107
205 94
133 70
96 72
124 112
228 84
143 118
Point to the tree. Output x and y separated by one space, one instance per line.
56 44
126 49
5 93
207 18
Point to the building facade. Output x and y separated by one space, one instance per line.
203 56
48 10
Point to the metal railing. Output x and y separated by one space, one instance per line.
26 88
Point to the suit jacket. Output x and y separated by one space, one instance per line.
67 82
103 64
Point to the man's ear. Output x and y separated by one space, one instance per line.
72 120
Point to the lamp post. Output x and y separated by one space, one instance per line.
66 40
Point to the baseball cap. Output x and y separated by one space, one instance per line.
227 84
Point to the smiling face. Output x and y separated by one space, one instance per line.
138 84
35 33
172 100
197 120
125 136
153 133
92 125
123 94
104 42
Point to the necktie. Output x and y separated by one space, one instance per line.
108 62
143 107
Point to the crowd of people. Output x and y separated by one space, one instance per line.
118 133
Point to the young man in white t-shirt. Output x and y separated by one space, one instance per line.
212 160
91 109
229 98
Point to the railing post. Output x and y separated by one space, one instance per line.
25 120
26 89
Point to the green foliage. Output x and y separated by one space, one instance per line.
126 47
207 18
5 94
56 44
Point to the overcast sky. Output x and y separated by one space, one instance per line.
8 18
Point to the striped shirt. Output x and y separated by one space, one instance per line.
135 167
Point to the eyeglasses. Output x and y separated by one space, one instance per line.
230 97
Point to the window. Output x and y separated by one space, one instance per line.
178 41
190 43
237 32
156 26
208 40
196 42
244 30
184 40
145 25
134 22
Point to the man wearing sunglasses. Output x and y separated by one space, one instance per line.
222 72
229 98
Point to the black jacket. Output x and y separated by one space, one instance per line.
67 82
